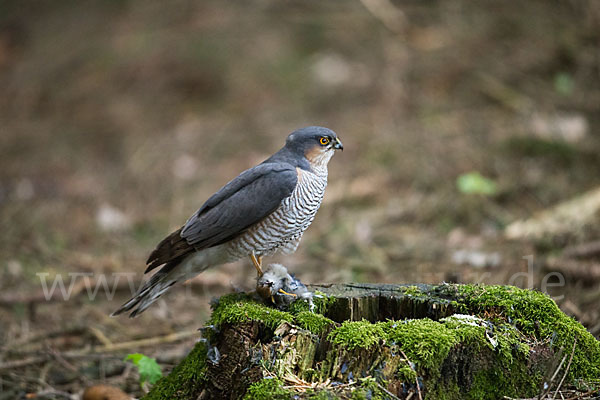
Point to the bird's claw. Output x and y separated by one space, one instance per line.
257 261
287 294
284 293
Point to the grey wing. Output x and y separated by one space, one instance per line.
243 202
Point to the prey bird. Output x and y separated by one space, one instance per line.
277 285
263 210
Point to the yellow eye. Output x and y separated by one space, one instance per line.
324 141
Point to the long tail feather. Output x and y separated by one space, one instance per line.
149 293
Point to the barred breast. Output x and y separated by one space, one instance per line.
283 229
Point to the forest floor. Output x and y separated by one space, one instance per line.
118 119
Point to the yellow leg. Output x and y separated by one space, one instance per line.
257 261
288 294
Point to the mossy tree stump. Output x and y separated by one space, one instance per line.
385 341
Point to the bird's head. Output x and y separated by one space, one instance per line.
316 143
274 277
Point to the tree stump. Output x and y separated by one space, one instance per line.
369 341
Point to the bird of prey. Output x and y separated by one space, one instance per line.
263 210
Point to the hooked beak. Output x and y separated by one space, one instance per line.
338 144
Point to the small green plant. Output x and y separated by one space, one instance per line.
475 183
564 84
148 368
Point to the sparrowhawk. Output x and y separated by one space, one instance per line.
263 210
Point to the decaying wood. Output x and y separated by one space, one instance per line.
248 351
380 302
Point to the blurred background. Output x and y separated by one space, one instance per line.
471 136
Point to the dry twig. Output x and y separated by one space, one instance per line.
38 338
153 341
546 390
98 334
417 376
587 272
583 250
566 370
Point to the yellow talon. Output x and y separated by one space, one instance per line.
288 294
257 261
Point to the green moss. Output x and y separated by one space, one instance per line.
321 303
511 374
499 325
536 315
406 374
237 308
369 389
425 342
186 380
446 392
353 334
413 291
510 380
299 306
268 389
316 323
